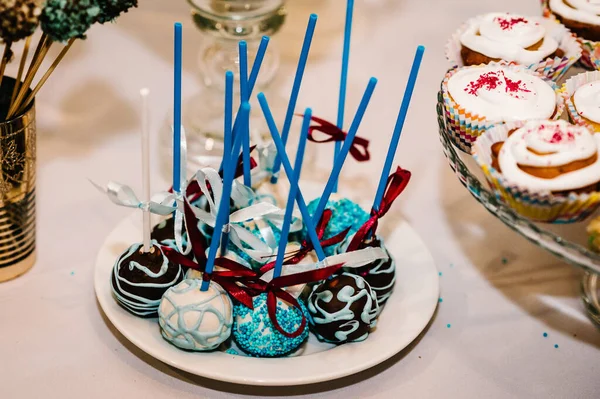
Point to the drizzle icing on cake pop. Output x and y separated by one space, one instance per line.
139 280
508 36
193 319
342 309
587 101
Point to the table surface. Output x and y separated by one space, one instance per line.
499 294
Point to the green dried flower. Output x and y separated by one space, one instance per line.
111 9
66 19
18 19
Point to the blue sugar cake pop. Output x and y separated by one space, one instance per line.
193 319
255 333
342 309
139 279
345 214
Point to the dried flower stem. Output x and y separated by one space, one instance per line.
44 78
21 69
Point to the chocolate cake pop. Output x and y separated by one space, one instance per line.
111 9
63 20
139 279
342 309
18 19
164 233
380 274
193 319
255 333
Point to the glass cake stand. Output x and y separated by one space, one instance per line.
547 236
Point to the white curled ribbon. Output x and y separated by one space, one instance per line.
123 195
239 236
266 159
178 196
352 260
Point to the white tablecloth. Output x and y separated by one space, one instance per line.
500 294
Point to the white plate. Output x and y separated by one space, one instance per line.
405 315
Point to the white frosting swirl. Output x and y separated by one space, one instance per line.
586 11
562 143
499 93
587 101
507 36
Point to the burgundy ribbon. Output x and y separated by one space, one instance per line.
293 258
396 183
360 146
243 284
225 278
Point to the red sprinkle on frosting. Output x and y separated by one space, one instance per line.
492 80
510 22
558 135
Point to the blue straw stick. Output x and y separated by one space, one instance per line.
312 234
260 55
389 159
287 123
223 211
287 218
227 120
177 111
243 49
343 78
341 156
227 138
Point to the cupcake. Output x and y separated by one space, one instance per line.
582 17
478 97
582 99
539 43
548 171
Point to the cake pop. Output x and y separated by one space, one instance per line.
347 215
342 309
18 19
63 20
255 333
139 279
164 234
193 319
111 9
380 274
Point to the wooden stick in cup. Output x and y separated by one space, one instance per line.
44 78
21 69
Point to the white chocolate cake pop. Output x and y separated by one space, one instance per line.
193 319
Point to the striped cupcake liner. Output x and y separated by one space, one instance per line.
567 91
540 206
465 127
552 68
587 46
595 56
